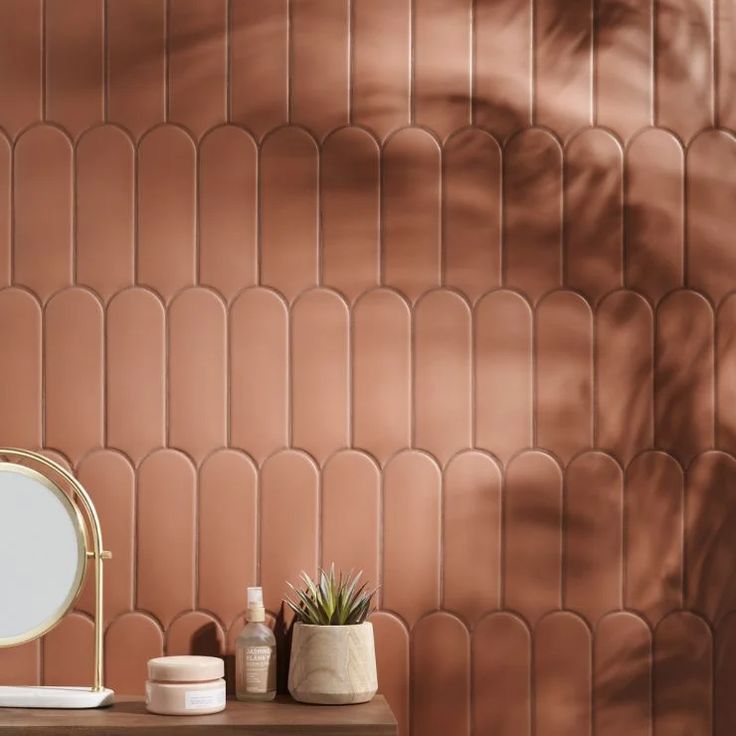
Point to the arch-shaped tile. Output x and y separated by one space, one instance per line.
711 263
319 373
532 213
351 514
197 633
350 203
726 375
197 372
411 534
624 375
654 507
441 675
57 457
683 669
42 255
228 258
472 535
563 677
105 220
130 641
21 665
654 225
532 559
259 337
411 212
472 214
725 77
110 480
196 34
683 387
392 663
20 369
381 363
166 210
165 569
136 371
68 652
593 558
73 374
289 522
442 374
74 63
622 697
6 185
228 532
502 354
724 674
501 676
564 374
289 208
594 257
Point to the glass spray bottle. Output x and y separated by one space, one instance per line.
255 653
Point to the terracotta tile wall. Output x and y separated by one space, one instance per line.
379 282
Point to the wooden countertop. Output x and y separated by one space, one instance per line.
129 716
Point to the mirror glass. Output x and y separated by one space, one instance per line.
42 554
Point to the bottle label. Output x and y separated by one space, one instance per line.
204 699
257 669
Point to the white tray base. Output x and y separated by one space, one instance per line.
54 697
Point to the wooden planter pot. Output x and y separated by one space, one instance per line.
333 664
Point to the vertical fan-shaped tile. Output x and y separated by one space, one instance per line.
594 207
68 652
288 191
564 374
42 256
532 212
197 372
562 669
166 210
441 64
136 96
73 40
20 665
319 365
381 373
350 183
683 399
725 76
726 375
623 676
472 535
21 60
683 683
532 559
20 369
624 374
411 212
442 374
289 522
380 73
502 94
258 63
653 521
472 216
593 535
258 372
711 220
74 372
411 534
228 258
166 530
130 641
227 535
654 224
136 360
105 221
503 373
110 480
197 633
351 509
6 185
57 457
683 66
724 676
623 48
392 662
563 48
441 675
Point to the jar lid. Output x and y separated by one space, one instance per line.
185 669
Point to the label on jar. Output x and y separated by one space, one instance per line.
204 699
257 669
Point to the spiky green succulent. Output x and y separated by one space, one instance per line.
331 600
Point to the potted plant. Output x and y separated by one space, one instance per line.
333 657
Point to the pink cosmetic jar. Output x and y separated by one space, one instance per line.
185 686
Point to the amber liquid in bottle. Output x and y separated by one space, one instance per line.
255 654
